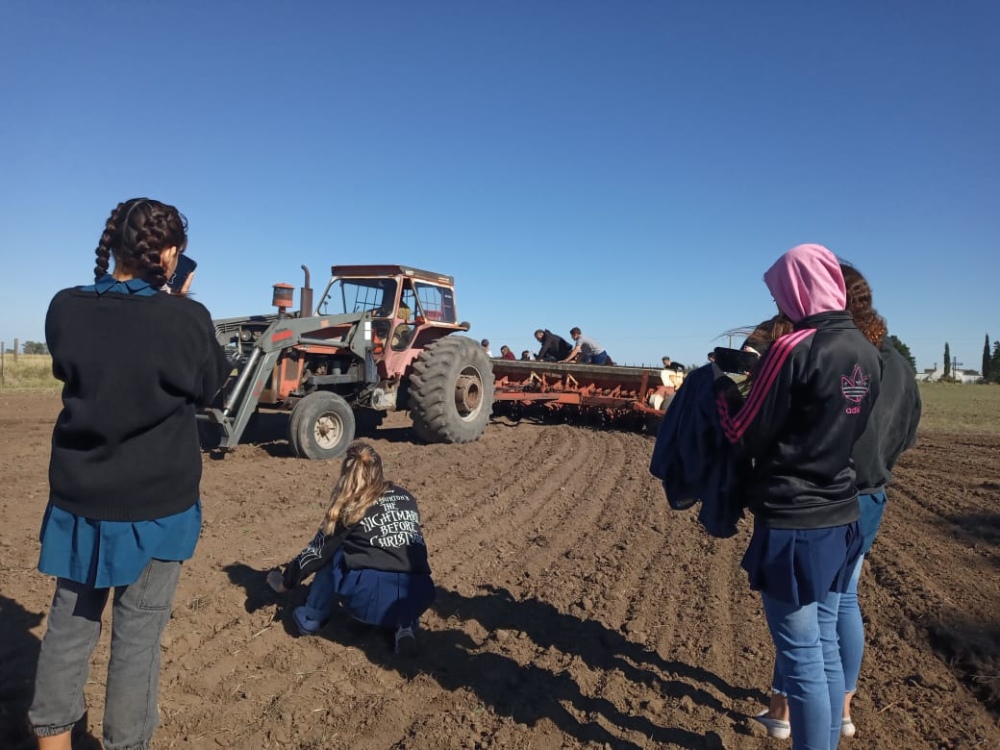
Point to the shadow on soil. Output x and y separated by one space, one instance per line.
972 652
978 527
529 693
18 659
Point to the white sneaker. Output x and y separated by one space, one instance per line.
780 730
847 728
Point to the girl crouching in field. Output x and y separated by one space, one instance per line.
368 554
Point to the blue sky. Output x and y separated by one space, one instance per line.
628 168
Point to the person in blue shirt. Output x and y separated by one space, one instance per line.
124 506
586 350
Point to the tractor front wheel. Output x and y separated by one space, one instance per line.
321 426
451 391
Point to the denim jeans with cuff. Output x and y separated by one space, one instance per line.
808 669
140 613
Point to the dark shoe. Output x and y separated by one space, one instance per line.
406 641
306 624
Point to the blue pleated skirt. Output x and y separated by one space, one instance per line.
378 597
801 566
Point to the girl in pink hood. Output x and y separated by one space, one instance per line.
811 398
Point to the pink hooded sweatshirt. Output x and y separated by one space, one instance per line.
807 280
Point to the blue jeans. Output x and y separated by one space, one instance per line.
594 359
851 630
140 613
808 663
322 595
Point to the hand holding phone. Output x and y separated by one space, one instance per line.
736 361
180 282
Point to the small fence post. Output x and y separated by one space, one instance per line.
3 364
15 351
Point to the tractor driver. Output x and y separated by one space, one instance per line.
404 330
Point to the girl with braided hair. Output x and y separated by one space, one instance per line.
368 554
124 506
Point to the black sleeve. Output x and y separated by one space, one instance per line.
317 553
547 343
51 339
215 366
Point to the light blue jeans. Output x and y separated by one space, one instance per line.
851 633
808 663
851 630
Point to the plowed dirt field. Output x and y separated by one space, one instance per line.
575 610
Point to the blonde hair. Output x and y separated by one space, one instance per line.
361 483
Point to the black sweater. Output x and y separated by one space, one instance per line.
893 425
135 369
555 346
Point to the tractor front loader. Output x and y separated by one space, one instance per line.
383 338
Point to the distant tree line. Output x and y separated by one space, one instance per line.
903 349
28 347
989 369
991 361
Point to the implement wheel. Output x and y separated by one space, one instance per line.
321 426
451 391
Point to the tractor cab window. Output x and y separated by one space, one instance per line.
360 295
408 310
437 303
408 305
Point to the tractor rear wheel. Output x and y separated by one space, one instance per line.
321 426
451 391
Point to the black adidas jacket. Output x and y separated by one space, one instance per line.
812 396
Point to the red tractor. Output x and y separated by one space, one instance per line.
382 338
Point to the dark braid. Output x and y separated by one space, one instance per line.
104 245
136 232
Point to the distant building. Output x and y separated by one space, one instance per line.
933 374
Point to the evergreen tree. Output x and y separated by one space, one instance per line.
947 359
995 362
986 360
903 349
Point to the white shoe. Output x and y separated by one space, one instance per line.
780 730
847 728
